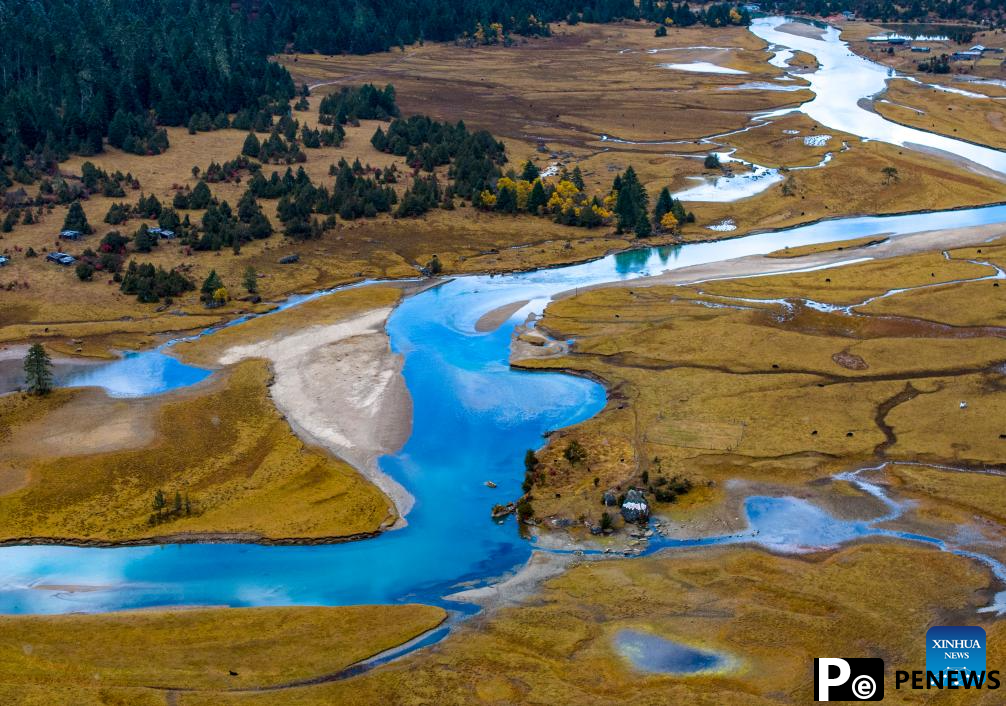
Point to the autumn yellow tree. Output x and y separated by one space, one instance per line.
669 222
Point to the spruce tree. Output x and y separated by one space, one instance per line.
76 219
251 280
577 178
252 146
211 284
38 370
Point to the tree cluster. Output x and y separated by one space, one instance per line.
151 284
474 157
351 104
78 71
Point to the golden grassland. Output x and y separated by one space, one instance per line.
851 244
978 120
772 615
957 304
759 392
140 657
222 444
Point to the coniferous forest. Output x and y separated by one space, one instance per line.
76 72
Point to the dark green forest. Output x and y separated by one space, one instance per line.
985 12
76 72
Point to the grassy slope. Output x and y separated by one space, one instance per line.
133 658
226 446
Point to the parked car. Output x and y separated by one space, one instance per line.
61 258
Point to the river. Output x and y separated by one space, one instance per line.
473 418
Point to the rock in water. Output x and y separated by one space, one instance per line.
635 508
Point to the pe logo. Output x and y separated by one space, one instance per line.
955 650
848 679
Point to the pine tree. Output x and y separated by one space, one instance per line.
211 285
38 370
529 171
665 204
577 179
251 280
159 501
76 219
252 146
537 198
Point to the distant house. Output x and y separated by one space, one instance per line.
897 40
921 50
966 55
61 258
4 260
980 48
994 50
848 14
162 233
71 234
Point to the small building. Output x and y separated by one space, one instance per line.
162 233
980 48
61 258
966 56
71 234
896 40
848 14
994 50
921 50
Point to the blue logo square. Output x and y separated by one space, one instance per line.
957 648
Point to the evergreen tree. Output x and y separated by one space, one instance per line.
665 202
211 285
252 146
76 219
251 280
38 370
537 198
529 172
577 178
143 241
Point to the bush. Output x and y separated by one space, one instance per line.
85 270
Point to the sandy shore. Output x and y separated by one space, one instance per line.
802 29
341 387
521 585
755 265
492 320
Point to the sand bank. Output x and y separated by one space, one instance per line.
341 387
802 29
492 320
521 585
755 265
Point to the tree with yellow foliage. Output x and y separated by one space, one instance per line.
668 222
